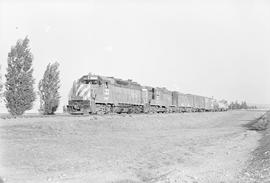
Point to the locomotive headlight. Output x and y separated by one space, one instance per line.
76 106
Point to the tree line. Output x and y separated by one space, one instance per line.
242 105
19 94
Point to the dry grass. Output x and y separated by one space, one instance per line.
190 147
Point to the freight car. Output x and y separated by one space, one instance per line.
209 104
181 102
199 102
190 102
100 95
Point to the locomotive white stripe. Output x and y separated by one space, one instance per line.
81 89
78 89
86 94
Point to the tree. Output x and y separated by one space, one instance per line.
19 94
1 86
244 105
49 89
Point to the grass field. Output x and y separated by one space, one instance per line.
189 147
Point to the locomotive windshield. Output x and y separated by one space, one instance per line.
85 81
89 80
94 82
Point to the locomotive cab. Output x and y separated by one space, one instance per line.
82 95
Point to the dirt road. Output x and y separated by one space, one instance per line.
190 147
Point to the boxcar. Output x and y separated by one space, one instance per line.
209 106
175 99
196 102
190 100
199 102
166 97
215 105
181 102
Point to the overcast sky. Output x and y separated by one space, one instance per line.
211 48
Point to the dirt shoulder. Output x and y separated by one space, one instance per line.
258 169
190 147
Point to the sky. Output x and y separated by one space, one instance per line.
213 48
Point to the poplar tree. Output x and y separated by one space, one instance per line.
1 86
19 94
49 89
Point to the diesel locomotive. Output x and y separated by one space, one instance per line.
95 94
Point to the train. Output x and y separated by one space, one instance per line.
96 94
